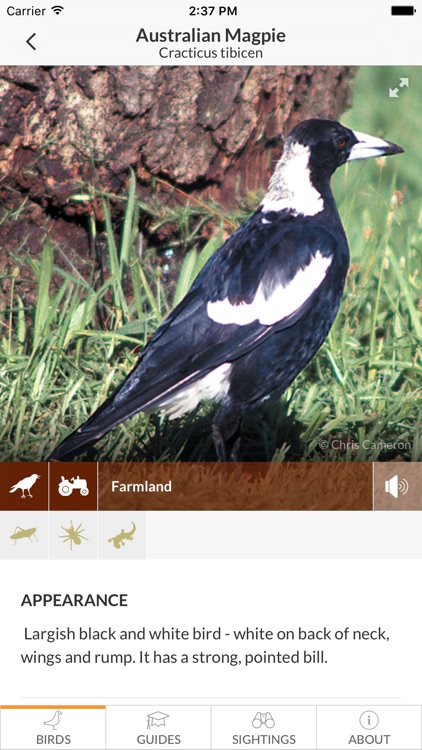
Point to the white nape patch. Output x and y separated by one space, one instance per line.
214 386
290 186
282 302
367 146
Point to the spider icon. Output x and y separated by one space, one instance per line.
74 536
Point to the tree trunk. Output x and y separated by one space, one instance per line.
212 131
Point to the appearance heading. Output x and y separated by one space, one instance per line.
75 600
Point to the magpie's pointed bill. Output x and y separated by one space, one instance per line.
368 146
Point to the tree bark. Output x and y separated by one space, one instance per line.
212 131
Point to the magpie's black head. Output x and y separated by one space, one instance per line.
331 145
314 149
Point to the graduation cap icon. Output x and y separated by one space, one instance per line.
157 719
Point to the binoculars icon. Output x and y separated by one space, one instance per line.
263 719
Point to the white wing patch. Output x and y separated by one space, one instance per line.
282 302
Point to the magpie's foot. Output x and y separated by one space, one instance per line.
226 433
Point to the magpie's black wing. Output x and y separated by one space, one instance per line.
237 300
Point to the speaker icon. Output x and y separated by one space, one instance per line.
396 486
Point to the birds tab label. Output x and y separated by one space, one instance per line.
24 486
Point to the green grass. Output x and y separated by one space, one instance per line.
61 355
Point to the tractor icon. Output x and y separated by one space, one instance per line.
67 486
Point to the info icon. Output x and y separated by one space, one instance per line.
369 720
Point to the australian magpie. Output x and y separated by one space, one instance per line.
260 308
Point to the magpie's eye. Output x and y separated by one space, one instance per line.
341 144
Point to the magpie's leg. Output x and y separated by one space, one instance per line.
226 432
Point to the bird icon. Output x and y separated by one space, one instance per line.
25 484
259 309
54 721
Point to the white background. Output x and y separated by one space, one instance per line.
276 595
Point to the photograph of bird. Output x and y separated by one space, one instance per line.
259 309
25 484
54 721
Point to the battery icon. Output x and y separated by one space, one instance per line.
402 10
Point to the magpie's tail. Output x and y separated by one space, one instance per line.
75 443
120 405
128 399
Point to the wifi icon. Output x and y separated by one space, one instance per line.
57 9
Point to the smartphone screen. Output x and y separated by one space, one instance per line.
210 326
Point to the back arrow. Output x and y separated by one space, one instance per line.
28 41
